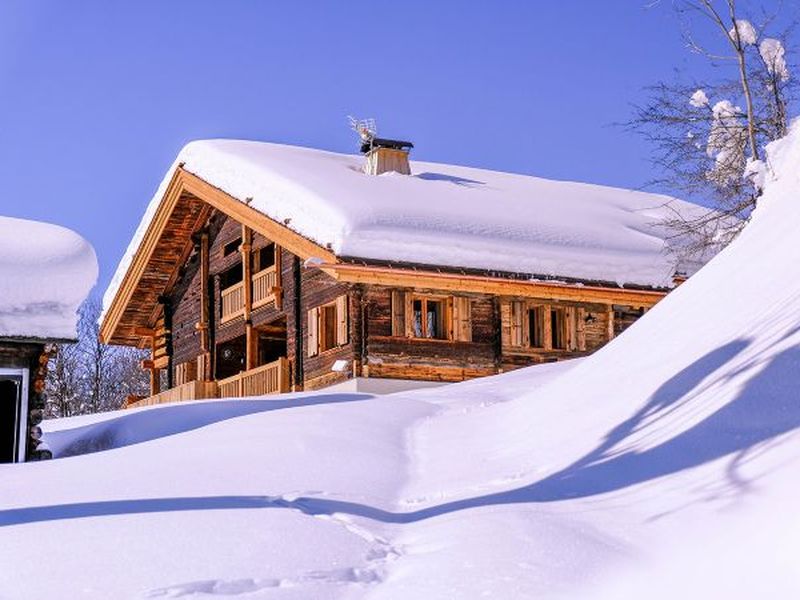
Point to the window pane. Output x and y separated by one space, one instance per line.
557 320
417 318
328 327
534 330
433 319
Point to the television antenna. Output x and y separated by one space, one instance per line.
365 128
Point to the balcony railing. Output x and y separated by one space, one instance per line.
233 301
264 283
272 378
192 390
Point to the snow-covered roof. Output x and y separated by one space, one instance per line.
46 271
441 214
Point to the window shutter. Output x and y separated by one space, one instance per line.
571 338
180 374
398 313
409 314
505 323
313 332
581 328
462 319
341 320
517 323
547 328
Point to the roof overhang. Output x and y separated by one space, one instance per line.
546 290
166 245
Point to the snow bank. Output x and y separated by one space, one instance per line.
642 470
441 215
46 271
664 465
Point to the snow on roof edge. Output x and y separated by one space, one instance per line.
313 189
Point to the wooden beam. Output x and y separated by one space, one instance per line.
251 337
144 331
610 322
491 285
203 325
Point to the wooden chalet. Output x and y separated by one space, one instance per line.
235 299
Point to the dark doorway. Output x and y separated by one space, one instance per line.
272 341
230 357
10 401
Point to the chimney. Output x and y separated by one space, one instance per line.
386 155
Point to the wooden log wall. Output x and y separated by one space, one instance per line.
319 289
400 357
188 294
32 357
371 349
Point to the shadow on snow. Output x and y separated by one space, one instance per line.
147 425
762 411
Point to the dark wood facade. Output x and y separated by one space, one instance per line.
233 305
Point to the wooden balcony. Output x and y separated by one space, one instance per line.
264 288
264 285
272 378
233 302
192 390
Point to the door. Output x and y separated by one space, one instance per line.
10 411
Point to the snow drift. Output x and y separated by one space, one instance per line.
664 465
46 271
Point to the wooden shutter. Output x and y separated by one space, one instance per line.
313 332
409 314
505 323
342 318
581 329
462 319
398 313
547 328
180 374
512 323
571 329
518 328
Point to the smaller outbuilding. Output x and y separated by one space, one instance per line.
46 271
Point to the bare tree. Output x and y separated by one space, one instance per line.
705 145
89 376
63 386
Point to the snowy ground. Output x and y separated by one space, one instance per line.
664 465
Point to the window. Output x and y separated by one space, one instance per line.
529 325
536 327
558 329
431 317
230 277
328 326
428 319
263 258
231 247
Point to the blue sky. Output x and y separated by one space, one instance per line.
97 98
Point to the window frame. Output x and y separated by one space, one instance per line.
442 321
330 316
